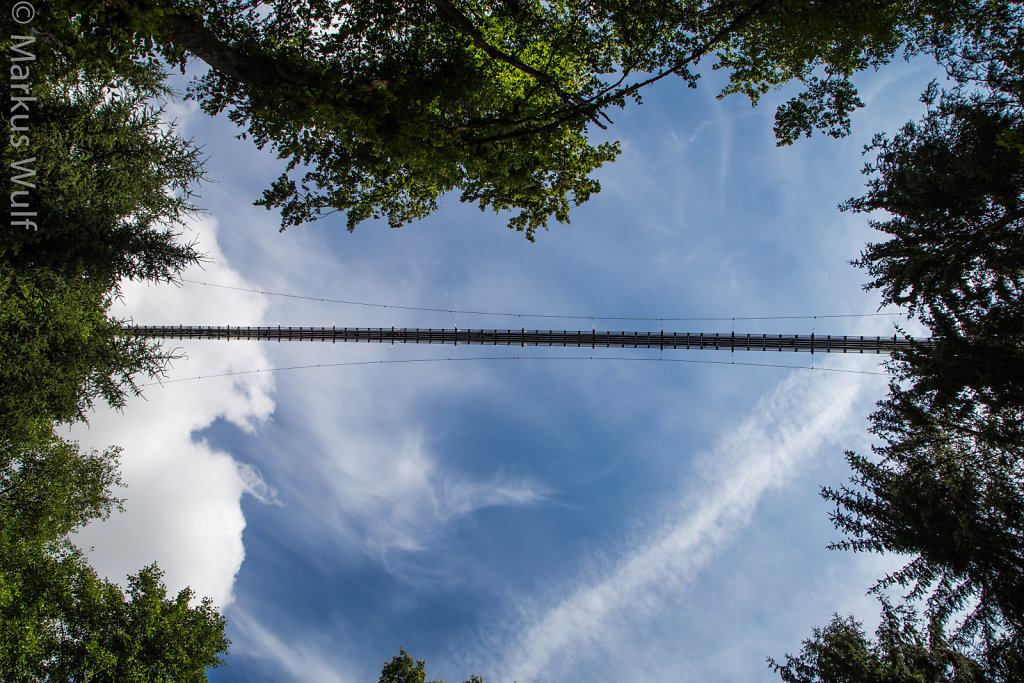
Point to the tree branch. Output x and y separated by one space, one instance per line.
190 34
590 107
448 9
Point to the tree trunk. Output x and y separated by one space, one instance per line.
189 33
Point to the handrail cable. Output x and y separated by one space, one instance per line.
488 358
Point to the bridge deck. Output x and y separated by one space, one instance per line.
564 338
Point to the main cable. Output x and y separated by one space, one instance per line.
533 315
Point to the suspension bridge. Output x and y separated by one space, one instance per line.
621 339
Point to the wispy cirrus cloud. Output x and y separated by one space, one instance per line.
591 625
305 656
377 490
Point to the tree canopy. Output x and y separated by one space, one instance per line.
900 653
404 669
945 484
59 621
110 185
953 186
61 351
955 505
379 108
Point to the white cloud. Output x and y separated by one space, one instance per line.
255 485
183 497
595 620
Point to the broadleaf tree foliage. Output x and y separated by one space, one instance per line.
380 107
59 621
404 669
110 187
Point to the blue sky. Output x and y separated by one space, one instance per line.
536 519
